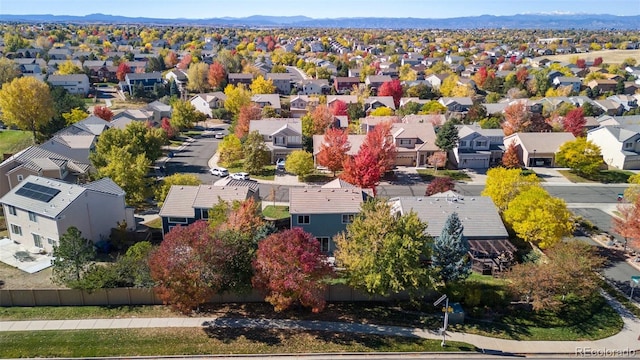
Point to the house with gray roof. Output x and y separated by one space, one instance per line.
40 210
281 135
538 149
146 80
91 125
77 147
325 211
490 249
282 82
619 145
186 204
272 100
38 161
478 148
77 84
207 102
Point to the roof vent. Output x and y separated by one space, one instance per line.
419 199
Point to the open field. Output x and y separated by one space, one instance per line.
12 141
608 56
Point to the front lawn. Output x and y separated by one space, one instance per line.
12 141
604 176
276 212
200 341
430 174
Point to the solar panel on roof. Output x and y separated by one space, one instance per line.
37 192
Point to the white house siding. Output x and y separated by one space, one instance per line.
201 105
610 147
45 227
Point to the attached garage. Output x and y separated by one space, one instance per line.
474 162
406 159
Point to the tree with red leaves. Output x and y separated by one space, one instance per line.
122 71
322 119
247 113
180 267
334 149
103 112
581 63
516 118
362 170
481 76
439 185
627 223
184 62
380 142
597 61
244 217
522 75
438 160
290 269
339 108
217 75
171 60
168 129
392 88
510 159
574 122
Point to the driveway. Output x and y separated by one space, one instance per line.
194 158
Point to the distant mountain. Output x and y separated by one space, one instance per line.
521 21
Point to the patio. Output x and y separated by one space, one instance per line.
27 260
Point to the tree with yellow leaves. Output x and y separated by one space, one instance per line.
68 68
237 97
538 218
75 115
503 185
26 103
262 86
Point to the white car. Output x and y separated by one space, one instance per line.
219 135
280 164
240 176
219 171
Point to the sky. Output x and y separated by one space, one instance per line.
201 9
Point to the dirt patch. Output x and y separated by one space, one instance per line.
608 56
14 278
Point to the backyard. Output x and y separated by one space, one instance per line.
12 141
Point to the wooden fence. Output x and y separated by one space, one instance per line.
141 296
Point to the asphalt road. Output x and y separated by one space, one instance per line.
194 158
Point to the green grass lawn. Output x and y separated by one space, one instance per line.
604 176
12 141
276 212
84 312
430 174
198 341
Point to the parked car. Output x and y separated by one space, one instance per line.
280 164
219 135
219 171
240 176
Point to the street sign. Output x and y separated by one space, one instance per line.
441 299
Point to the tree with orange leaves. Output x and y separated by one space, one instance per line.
217 75
627 224
510 159
247 113
334 149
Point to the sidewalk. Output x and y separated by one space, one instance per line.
627 339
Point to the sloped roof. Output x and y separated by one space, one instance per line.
478 214
355 141
105 185
35 152
67 193
548 142
270 126
318 200
182 200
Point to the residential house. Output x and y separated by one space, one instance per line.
434 119
619 145
59 53
40 210
282 82
355 141
456 104
76 147
347 99
628 102
272 100
325 211
91 125
237 78
179 77
478 148
603 85
370 122
538 149
187 204
375 81
146 80
490 249
436 80
564 81
101 70
314 87
609 107
207 102
281 135
299 105
160 110
373 102
77 84
124 118
342 84
415 143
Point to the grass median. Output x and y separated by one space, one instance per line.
199 341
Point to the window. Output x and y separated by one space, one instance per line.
204 213
481 143
12 210
347 218
628 145
278 140
52 242
405 141
324 244
177 220
37 240
15 229
33 217
20 177
303 219
463 143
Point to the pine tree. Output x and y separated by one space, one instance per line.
450 252
447 137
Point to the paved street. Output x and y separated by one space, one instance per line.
194 158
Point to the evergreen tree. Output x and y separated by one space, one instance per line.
450 252
447 137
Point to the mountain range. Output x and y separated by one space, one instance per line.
520 21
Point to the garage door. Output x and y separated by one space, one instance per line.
405 160
473 164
